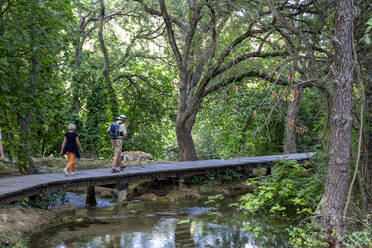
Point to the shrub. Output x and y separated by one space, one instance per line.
307 235
291 188
46 199
361 238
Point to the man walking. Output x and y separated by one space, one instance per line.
118 132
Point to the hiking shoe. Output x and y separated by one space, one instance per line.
122 168
113 170
73 173
65 171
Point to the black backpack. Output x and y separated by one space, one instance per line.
114 130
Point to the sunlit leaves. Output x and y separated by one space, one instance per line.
367 37
290 189
31 44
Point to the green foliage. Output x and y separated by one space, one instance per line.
149 105
5 205
248 118
290 189
183 221
230 175
309 235
31 48
216 201
227 176
10 240
95 118
197 179
310 121
361 238
46 199
367 37
35 123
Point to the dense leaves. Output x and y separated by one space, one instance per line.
31 49
291 189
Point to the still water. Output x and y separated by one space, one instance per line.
161 225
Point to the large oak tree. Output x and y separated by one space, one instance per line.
207 58
341 121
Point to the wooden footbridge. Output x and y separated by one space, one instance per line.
17 188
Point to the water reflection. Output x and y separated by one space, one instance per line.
150 225
79 201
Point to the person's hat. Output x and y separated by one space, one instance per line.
122 117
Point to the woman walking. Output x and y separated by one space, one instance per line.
70 147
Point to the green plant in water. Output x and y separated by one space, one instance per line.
291 188
183 221
215 200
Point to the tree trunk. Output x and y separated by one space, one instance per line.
368 157
184 125
26 164
289 144
78 49
185 144
82 34
113 101
184 139
337 183
24 151
365 59
76 80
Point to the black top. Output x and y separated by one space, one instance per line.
71 145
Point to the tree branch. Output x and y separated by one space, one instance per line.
171 37
158 13
143 78
257 74
247 56
190 35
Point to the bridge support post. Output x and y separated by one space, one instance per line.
90 200
122 186
34 198
268 171
181 183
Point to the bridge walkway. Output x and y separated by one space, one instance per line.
17 188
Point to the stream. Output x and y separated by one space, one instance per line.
161 225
